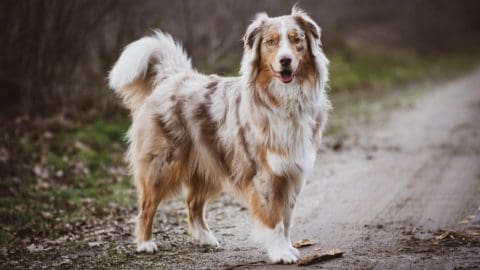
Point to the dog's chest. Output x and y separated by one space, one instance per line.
289 148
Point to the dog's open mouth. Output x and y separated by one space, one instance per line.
286 75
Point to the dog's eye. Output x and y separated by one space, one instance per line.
270 42
297 40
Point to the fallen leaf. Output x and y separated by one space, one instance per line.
59 173
95 244
303 243
48 135
443 235
41 172
34 248
4 155
320 255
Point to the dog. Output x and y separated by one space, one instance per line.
256 135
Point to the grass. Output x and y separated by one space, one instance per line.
360 81
69 176
351 70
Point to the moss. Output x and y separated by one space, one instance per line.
56 161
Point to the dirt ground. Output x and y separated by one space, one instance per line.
400 190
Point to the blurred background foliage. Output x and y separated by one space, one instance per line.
56 54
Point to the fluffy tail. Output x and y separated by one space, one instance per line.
141 62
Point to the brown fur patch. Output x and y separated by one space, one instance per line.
183 148
306 69
212 86
264 74
254 34
267 54
307 27
318 124
135 93
200 191
268 208
166 130
208 130
243 139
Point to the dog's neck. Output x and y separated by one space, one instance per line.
287 101
295 98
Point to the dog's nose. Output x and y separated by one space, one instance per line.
285 61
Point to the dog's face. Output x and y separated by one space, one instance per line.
282 48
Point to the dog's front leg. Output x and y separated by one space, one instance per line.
271 211
287 221
289 211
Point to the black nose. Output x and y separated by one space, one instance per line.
285 61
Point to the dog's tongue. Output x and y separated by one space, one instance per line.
286 76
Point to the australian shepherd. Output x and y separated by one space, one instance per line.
256 134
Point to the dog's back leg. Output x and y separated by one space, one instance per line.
148 203
199 193
153 187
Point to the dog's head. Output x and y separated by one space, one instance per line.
285 48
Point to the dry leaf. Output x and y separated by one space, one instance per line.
443 235
35 248
320 255
303 243
455 235
95 244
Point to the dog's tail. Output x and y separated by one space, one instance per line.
134 74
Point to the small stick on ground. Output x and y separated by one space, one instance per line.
303 243
320 255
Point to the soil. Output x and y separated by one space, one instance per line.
401 191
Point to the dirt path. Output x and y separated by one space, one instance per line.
400 180
381 196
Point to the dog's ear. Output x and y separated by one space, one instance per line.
252 41
313 33
254 30
312 30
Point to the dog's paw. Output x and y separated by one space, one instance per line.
295 251
285 255
210 240
206 238
147 246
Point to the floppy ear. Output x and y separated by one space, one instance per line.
313 33
254 30
312 30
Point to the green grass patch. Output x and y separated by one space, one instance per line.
360 81
64 178
352 70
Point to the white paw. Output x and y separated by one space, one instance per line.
206 238
283 255
209 239
295 251
147 246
